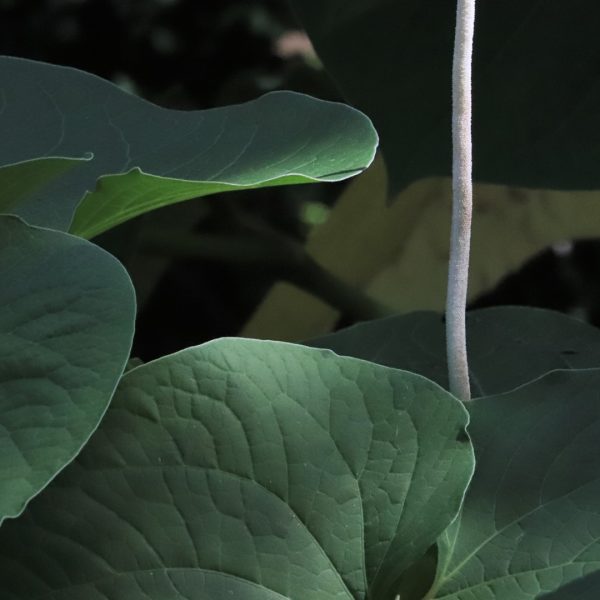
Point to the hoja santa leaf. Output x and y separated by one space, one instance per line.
66 323
25 181
246 469
50 111
531 518
508 345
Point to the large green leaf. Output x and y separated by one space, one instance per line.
535 78
56 111
247 469
531 518
118 198
508 346
66 323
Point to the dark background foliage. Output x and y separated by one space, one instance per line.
200 54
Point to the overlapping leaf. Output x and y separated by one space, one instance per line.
585 588
508 346
245 469
531 518
22 182
50 111
66 323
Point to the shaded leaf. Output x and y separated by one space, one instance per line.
399 253
531 518
22 182
66 324
282 137
353 241
246 469
586 588
508 346
535 84
118 198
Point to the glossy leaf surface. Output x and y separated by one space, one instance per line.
246 469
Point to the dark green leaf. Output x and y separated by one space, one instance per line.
508 346
66 323
535 77
531 518
24 182
168 155
586 588
246 469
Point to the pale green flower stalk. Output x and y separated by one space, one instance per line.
462 202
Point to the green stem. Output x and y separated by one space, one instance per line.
462 202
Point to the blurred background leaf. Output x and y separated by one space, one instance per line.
535 85
398 253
